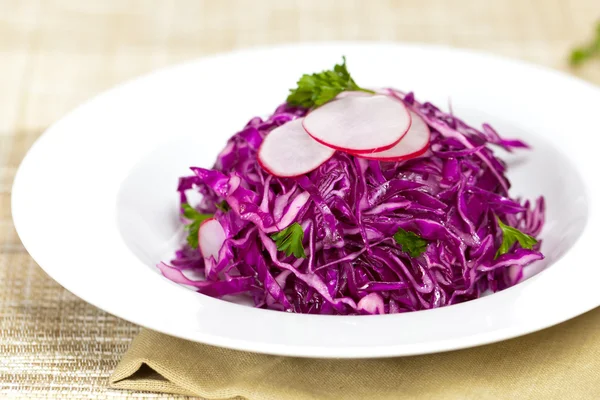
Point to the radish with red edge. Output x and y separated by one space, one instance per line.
289 151
415 143
211 237
359 123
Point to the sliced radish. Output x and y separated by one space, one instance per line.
415 143
359 123
211 237
360 93
353 93
289 151
372 304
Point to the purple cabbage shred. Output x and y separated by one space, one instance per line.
349 209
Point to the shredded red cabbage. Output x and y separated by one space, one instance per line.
349 209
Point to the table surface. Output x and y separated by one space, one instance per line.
55 54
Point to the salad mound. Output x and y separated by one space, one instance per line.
408 221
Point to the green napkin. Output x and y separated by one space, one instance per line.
562 362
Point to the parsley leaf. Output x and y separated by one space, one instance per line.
319 88
410 242
197 219
192 238
289 240
223 206
590 50
512 235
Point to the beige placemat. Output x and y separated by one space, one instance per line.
54 54
562 362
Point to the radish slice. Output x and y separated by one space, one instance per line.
353 93
211 237
359 123
289 151
359 93
415 143
371 303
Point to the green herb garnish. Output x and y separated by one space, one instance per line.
223 206
512 235
581 54
197 218
317 89
410 242
289 240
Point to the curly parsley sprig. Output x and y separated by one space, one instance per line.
289 240
193 227
583 53
317 89
512 235
410 242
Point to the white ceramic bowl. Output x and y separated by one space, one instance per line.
94 200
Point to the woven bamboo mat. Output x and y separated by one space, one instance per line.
56 53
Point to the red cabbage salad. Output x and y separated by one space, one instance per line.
348 201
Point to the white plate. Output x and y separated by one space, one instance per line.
94 200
